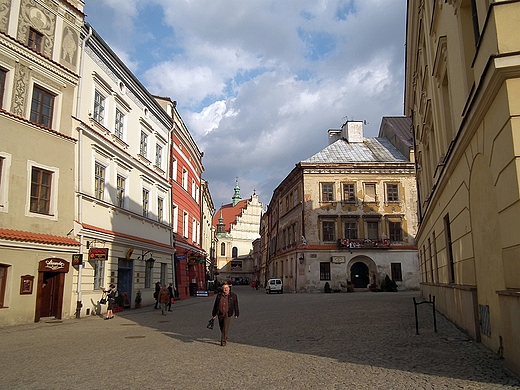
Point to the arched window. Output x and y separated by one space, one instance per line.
223 249
235 252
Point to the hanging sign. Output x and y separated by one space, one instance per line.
100 254
77 259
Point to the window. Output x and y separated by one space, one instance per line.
143 146
185 224
234 252
99 181
395 231
158 156
148 274
146 199
350 229
3 75
325 271
193 189
99 107
349 193
2 176
175 216
449 248
164 270
41 107
120 195
223 249
328 230
99 269
373 230
392 193
119 124
41 181
397 274
3 282
370 192
174 169
185 179
160 208
194 230
327 192
35 40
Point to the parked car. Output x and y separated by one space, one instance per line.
274 285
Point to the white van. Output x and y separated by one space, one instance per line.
274 285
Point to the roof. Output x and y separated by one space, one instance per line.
229 213
371 150
398 126
18 235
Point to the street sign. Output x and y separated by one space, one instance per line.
100 254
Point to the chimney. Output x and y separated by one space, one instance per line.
334 135
352 131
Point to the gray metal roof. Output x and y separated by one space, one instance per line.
371 150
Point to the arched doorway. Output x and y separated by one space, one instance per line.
51 282
359 275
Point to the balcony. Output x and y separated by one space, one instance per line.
349 243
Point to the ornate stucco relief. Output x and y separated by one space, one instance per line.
69 47
34 15
5 6
20 92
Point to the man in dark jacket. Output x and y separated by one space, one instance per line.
226 305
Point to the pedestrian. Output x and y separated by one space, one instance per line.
226 305
170 290
156 294
163 297
111 300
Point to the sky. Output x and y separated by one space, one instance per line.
259 82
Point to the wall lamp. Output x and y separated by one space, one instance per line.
150 261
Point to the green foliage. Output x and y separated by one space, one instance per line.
388 285
138 298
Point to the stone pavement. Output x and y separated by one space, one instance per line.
358 340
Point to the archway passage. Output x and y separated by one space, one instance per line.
359 275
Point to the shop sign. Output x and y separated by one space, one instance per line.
77 259
98 254
54 264
180 257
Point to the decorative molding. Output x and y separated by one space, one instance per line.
33 14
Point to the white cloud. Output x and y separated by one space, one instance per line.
240 70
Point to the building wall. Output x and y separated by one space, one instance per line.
29 237
115 217
462 88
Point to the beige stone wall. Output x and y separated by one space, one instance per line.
463 99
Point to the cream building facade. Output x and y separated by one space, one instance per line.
39 67
237 226
123 196
462 92
346 216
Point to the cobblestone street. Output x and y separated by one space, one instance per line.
357 340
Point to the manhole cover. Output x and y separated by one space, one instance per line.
135 337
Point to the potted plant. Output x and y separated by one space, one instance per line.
138 299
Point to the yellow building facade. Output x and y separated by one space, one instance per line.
462 92
39 61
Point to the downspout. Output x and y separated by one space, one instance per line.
79 303
172 241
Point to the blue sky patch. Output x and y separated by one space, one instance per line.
345 9
318 44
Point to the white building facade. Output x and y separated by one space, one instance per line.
122 191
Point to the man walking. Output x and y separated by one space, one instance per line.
226 305
163 298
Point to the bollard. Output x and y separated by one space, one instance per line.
417 318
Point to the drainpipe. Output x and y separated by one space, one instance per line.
79 303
